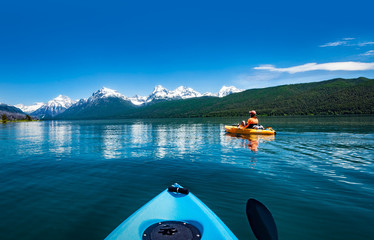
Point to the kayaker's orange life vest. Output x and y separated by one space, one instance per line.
251 122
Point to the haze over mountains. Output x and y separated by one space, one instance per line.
11 112
31 108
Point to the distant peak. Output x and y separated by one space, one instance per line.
228 90
60 100
105 92
105 89
31 108
61 97
159 88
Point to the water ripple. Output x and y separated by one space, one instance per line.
82 178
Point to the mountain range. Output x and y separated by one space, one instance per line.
100 98
331 97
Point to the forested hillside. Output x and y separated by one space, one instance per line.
332 97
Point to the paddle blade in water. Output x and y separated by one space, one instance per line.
261 221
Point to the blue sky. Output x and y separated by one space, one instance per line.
74 48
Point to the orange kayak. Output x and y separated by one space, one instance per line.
235 129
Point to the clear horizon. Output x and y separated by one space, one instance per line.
74 49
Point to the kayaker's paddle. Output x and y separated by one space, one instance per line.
261 220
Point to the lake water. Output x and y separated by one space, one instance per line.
81 179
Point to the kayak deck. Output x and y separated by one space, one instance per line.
236 130
171 206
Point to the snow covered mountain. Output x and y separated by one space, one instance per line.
228 90
106 93
184 93
138 100
53 107
161 93
31 108
103 93
104 103
110 98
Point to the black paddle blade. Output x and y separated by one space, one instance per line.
261 221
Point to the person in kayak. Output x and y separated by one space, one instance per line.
252 121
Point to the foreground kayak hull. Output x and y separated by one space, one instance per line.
170 206
236 130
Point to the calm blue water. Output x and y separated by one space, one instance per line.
81 179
